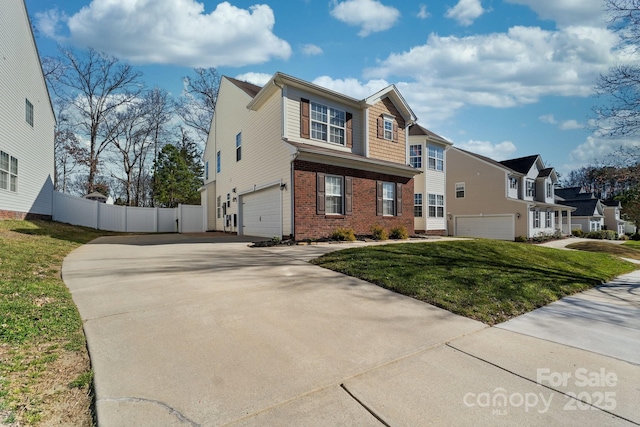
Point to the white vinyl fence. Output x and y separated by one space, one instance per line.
92 214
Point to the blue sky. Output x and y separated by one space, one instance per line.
504 78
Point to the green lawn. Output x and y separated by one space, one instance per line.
487 280
44 366
625 250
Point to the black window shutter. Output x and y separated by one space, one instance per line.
320 191
379 207
304 119
348 195
398 199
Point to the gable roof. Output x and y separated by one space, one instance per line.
486 159
417 130
521 164
249 88
585 207
612 203
573 193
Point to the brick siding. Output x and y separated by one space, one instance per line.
22 215
308 224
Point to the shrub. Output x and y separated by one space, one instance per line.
399 232
379 233
635 236
521 239
576 232
343 235
602 235
623 237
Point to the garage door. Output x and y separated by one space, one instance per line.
499 227
262 213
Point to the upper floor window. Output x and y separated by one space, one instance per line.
218 162
436 206
549 190
388 198
417 205
436 158
206 170
238 146
219 206
8 172
459 190
388 129
513 183
327 124
531 188
415 156
28 112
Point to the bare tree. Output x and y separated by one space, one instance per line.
198 100
620 114
95 86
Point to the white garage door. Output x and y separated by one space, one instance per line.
499 227
262 213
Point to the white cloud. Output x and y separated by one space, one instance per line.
568 12
311 50
500 69
178 32
422 13
370 15
351 87
570 125
48 22
258 79
501 151
465 12
548 118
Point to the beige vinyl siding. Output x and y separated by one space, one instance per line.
485 191
265 158
292 127
208 199
21 78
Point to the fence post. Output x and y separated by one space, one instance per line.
97 216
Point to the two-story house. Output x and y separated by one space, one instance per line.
292 158
427 153
27 121
613 218
501 200
591 214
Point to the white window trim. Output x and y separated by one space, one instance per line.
387 131
11 175
328 123
327 195
415 158
460 186
392 199
415 205
547 219
438 205
536 219
218 162
238 146
29 113
437 161
513 183
530 188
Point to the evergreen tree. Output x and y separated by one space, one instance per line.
178 174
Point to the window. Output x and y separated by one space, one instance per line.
219 206
333 195
415 156
206 171
238 146
459 190
513 183
388 199
531 188
8 172
549 190
417 205
548 218
218 162
536 219
29 112
388 129
436 205
327 124
436 158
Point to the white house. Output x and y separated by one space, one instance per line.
27 121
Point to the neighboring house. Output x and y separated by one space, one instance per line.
427 153
295 159
591 214
501 200
27 120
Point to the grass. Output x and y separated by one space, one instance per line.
44 367
487 280
625 250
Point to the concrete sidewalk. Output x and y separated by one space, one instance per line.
195 332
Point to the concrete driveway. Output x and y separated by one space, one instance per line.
196 331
